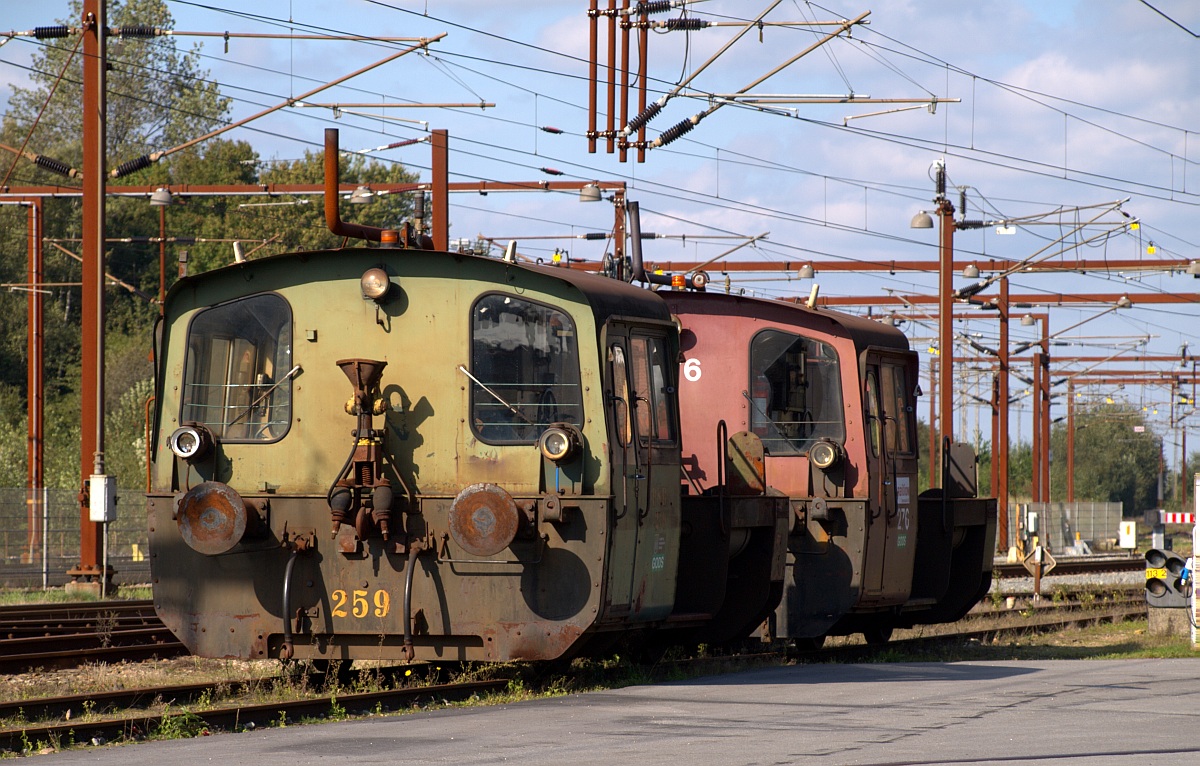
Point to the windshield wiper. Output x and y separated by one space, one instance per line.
496 396
264 395
766 417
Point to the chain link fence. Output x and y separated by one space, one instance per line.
39 537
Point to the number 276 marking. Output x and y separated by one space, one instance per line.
359 605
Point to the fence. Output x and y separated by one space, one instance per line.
39 537
1058 524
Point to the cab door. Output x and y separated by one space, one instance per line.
643 434
891 466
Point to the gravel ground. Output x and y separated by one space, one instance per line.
1006 585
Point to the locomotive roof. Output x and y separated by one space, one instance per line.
607 297
864 332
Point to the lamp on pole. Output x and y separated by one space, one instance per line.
161 199
946 227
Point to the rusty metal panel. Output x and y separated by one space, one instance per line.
745 464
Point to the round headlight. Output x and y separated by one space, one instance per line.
560 442
824 454
375 283
190 442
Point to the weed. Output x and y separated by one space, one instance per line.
205 699
106 625
337 712
181 725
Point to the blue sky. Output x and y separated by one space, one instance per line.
1063 104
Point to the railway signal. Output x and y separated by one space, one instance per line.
1166 583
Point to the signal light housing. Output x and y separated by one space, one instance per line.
1165 586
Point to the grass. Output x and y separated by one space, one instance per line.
19 596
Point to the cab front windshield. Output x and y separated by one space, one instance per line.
524 369
796 392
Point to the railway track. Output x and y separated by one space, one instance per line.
51 636
163 711
988 626
1076 565
240 717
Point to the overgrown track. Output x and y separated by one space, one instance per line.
990 626
234 718
66 635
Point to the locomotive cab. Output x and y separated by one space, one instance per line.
832 398
381 453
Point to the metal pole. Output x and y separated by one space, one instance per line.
95 25
1046 409
624 77
1001 490
593 29
45 538
643 74
162 257
440 194
35 453
1070 441
1037 448
610 129
945 212
933 424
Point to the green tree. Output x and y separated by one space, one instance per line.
1117 458
158 97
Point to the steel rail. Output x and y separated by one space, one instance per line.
1075 566
239 717
69 658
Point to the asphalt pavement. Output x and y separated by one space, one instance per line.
1073 713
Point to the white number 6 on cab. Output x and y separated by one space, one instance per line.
691 370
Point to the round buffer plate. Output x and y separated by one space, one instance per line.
483 519
211 518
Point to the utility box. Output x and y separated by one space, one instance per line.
1128 535
102 503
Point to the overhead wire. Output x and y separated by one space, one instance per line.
505 39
